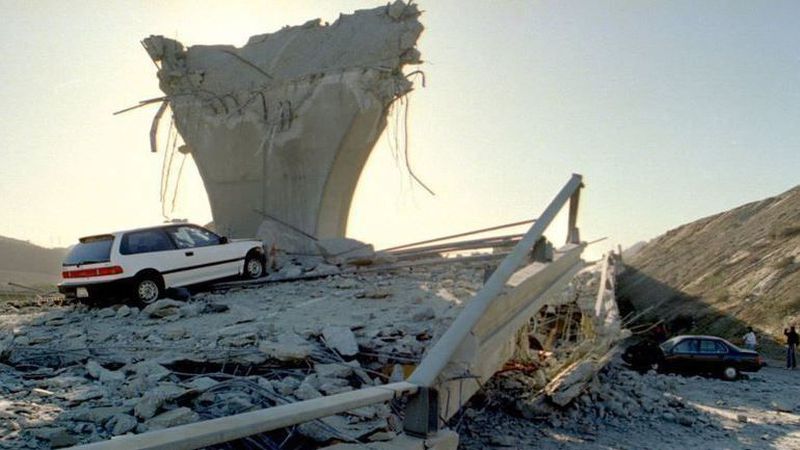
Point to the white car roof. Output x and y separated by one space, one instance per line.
153 227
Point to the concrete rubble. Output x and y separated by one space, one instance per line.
75 374
622 408
281 128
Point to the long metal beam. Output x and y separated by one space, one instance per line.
224 429
453 236
459 245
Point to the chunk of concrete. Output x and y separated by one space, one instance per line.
334 370
57 437
287 347
163 308
346 250
121 424
155 398
340 339
104 375
172 418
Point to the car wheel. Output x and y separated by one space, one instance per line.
253 267
147 289
730 373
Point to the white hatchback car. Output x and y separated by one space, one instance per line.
142 264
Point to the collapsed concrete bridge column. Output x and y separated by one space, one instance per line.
281 128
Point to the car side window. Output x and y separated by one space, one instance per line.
145 241
188 237
686 346
707 346
721 348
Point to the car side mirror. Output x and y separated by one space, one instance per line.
223 240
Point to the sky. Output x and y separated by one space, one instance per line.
671 110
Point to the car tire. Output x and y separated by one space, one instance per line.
730 373
253 267
147 289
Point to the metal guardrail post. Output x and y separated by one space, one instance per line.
573 233
422 413
438 357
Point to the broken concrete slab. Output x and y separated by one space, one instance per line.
335 370
172 418
163 308
287 347
121 424
340 339
346 251
57 437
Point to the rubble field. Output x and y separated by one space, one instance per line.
623 409
73 374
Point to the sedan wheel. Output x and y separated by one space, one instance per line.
147 290
253 267
730 373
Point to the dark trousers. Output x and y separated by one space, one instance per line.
791 359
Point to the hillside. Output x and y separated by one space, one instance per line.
723 273
29 264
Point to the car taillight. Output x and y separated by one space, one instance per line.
113 270
86 273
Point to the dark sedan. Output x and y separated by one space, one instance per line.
694 354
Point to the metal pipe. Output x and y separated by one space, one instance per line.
437 358
466 245
224 429
468 233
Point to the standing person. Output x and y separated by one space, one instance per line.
660 333
750 339
792 339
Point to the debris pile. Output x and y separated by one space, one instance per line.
622 408
75 374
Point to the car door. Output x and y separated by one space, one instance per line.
682 356
203 255
151 249
710 356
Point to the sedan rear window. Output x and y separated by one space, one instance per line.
90 250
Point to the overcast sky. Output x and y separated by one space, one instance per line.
672 110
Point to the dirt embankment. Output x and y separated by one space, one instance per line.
723 273
28 264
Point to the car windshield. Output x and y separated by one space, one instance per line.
668 344
91 250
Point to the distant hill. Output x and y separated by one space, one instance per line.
722 273
28 264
